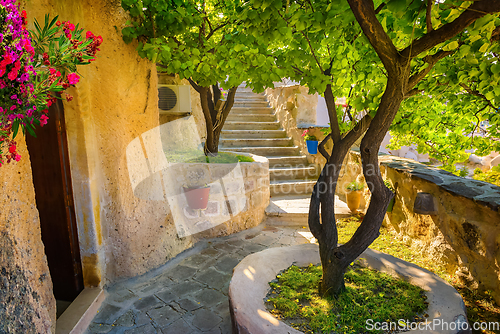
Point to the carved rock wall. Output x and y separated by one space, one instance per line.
464 235
28 304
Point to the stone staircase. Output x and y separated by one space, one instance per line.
252 127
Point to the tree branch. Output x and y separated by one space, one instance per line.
312 51
476 93
428 12
321 147
475 11
193 84
431 60
332 114
213 31
313 218
364 12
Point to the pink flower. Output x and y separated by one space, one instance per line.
17 157
73 78
89 34
304 133
71 26
43 120
12 74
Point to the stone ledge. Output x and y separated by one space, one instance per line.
249 286
481 192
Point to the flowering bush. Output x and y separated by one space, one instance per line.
36 67
307 136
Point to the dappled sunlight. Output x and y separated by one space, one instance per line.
249 273
309 236
268 317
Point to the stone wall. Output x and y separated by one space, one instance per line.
295 107
28 305
464 235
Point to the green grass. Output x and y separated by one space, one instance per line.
491 176
194 156
480 305
369 294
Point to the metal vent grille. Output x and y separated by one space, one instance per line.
167 99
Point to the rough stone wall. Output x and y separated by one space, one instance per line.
115 101
28 304
294 108
288 102
464 235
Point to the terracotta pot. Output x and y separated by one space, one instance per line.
353 199
197 198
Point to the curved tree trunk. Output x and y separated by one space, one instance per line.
335 259
215 116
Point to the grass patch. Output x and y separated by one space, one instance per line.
369 295
194 156
491 176
481 306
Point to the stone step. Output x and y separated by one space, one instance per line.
249 97
294 210
231 125
266 151
244 90
251 104
229 134
256 142
298 172
251 117
291 187
253 111
287 161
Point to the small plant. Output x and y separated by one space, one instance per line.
389 185
355 186
307 136
491 176
463 172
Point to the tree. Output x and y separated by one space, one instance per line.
201 42
383 55
464 93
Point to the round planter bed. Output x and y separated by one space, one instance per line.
250 284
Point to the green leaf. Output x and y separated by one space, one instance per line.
484 47
450 46
15 128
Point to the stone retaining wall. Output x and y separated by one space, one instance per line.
293 106
464 235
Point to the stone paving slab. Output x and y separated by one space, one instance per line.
190 293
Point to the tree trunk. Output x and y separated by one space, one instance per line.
336 259
214 118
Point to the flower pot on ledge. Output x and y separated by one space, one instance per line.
312 146
354 199
197 197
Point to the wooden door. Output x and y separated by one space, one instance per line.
54 200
